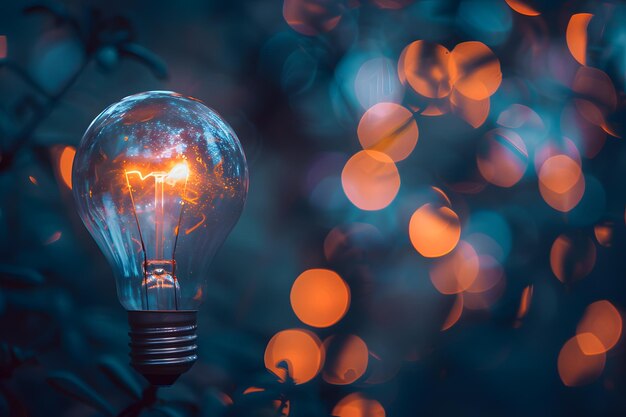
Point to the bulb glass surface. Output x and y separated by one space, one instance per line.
160 180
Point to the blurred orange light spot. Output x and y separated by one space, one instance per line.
602 320
434 231
572 257
550 149
251 390
576 36
594 86
300 350
356 405
604 233
488 286
346 359
575 367
560 173
474 70
520 7
561 182
455 313
33 180
388 128
457 271
319 297
474 112
66 160
502 157
370 180
424 65
524 303
312 17
53 238
3 47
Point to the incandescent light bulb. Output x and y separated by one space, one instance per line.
160 180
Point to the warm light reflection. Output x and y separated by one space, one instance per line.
457 271
346 359
596 97
524 302
575 367
357 405
488 286
3 47
455 313
604 233
370 180
572 257
474 112
33 180
559 173
296 351
522 8
602 320
425 67
502 157
434 231
66 160
474 70
319 297
561 182
576 36
388 128
312 17
53 238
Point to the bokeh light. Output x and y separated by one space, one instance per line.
66 160
370 180
388 128
502 157
561 182
434 230
522 7
296 351
357 405
572 257
319 297
474 70
604 233
457 271
311 17
576 36
577 368
424 65
346 359
455 313
602 320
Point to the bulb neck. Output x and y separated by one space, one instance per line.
162 344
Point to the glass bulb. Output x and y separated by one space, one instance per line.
160 180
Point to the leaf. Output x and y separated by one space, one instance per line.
12 276
120 375
145 56
74 387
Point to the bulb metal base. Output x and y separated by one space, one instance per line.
162 344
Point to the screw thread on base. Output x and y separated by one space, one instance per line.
162 344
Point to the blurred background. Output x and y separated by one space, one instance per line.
435 222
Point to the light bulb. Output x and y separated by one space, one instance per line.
159 181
